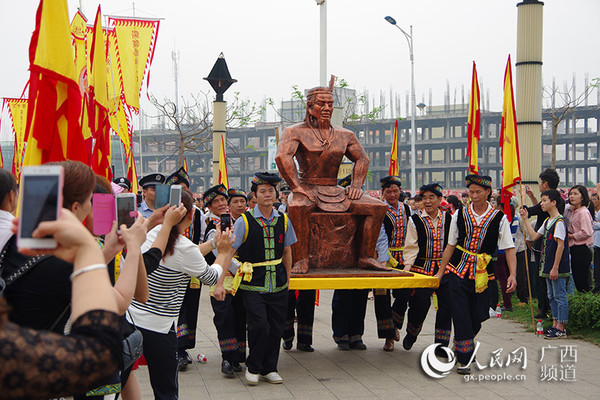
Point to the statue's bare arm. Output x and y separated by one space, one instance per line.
288 145
356 153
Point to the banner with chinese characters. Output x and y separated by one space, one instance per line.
17 110
136 39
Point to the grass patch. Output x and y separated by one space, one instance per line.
522 314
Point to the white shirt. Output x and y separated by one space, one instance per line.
6 220
505 240
559 232
168 283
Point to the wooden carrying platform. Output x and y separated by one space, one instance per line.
360 279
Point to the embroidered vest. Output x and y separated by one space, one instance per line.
211 225
476 238
395 229
432 240
264 242
549 250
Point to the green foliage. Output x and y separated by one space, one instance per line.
584 311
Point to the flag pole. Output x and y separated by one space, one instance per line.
523 222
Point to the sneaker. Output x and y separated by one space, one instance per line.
463 369
305 347
271 377
541 315
549 330
287 345
556 334
251 379
509 309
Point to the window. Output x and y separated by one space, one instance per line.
437 156
437 132
580 152
592 151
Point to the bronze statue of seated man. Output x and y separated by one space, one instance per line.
319 148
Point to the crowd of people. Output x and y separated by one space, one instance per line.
76 319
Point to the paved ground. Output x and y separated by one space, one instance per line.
332 374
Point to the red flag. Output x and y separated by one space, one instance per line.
98 102
394 166
509 143
53 130
473 124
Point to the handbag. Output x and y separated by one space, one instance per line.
132 346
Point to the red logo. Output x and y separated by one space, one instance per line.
281 238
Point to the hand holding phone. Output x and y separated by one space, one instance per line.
40 200
175 196
126 210
225 222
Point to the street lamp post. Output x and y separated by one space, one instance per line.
413 136
220 80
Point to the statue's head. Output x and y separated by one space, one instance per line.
319 105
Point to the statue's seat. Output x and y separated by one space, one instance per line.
334 239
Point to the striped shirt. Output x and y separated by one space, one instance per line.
167 284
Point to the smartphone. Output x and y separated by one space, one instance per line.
225 222
161 195
103 208
40 200
175 197
126 209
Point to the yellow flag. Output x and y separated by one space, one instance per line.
135 40
394 166
509 143
223 178
53 130
473 124
17 110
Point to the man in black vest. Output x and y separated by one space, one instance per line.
263 239
390 246
426 237
476 232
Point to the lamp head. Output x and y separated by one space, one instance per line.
390 20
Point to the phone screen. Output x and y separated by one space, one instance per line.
175 198
126 213
225 221
40 197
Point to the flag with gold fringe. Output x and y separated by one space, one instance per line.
473 124
136 39
223 178
17 110
53 130
98 101
394 166
509 143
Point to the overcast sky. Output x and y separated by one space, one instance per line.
271 45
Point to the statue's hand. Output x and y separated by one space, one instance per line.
354 193
305 192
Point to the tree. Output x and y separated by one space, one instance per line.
191 122
570 100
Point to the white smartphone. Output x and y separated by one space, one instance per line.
40 199
175 197
126 208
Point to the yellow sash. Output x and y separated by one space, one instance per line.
481 275
392 262
245 272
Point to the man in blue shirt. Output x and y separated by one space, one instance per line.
263 239
148 184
